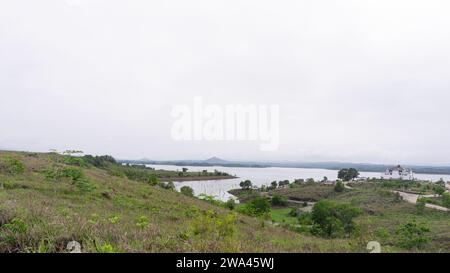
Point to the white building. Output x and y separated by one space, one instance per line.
399 172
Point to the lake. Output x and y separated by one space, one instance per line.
262 176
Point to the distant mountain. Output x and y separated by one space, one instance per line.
215 160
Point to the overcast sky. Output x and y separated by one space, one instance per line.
360 81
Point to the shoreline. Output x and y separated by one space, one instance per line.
197 178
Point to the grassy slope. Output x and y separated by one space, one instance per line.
382 213
37 215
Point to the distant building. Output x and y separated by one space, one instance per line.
399 172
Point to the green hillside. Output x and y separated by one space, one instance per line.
48 200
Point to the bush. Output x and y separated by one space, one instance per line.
188 191
305 219
257 207
84 185
278 200
143 222
213 226
339 187
412 235
75 161
446 199
420 206
12 165
167 185
210 199
73 173
99 161
438 189
16 226
230 204
153 180
331 219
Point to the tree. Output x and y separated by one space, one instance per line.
331 219
188 191
339 187
273 185
283 183
246 185
185 169
348 174
310 180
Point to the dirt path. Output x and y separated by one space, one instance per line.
412 198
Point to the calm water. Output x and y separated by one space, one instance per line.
262 176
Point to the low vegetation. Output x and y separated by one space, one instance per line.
50 200
366 211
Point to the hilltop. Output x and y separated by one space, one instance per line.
215 160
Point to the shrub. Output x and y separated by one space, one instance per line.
412 235
12 165
16 225
278 200
73 173
257 207
167 185
331 219
383 234
99 161
213 226
75 161
84 185
293 212
114 219
153 180
305 219
339 187
446 199
186 190
143 222
438 189
230 204
106 248
420 206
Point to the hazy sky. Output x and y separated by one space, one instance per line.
361 81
